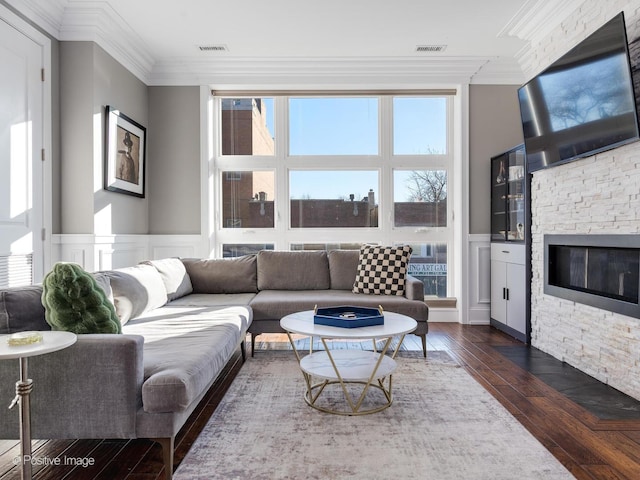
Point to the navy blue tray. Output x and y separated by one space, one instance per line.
348 316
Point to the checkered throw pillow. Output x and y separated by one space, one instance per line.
382 270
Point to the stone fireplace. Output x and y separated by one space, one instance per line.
599 195
597 270
586 222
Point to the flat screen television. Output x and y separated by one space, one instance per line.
583 103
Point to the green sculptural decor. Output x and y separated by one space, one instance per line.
74 302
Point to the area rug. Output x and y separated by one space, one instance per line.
442 425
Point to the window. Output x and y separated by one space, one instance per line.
326 246
241 249
429 264
420 198
322 173
418 127
247 199
338 199
333 126
247 126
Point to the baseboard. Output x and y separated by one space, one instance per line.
479 316
445 315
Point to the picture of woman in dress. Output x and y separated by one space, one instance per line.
128 159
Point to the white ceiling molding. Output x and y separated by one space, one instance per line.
46 14
372 70
499 71
535 20
99 22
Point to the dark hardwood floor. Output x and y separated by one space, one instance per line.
590 447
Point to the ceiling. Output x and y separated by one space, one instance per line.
294 42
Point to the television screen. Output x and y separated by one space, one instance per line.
584 103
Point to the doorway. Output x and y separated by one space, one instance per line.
24 56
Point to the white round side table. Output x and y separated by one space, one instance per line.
51 342
343 367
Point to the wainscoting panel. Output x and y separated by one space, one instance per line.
104 252
479 279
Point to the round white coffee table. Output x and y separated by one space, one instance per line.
371 369
52 341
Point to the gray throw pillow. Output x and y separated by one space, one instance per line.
174 275
136 290
343 265
308 270
227 275
21 309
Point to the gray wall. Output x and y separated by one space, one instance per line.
174 160
90 79
494 126
85 79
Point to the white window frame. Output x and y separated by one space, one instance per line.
282 236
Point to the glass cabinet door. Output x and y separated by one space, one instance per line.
499 179
508 172
515 196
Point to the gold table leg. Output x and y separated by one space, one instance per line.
314 390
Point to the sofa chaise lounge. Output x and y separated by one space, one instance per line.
182 321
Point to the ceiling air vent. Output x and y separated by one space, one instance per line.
430 48
213 48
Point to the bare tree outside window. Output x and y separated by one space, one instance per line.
427 186
420 198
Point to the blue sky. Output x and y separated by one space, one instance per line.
349 126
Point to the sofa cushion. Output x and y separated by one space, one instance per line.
227 275
103 281
136 290
343 265
174 275
213 300
275 304
293 270
382 270
74 302
21 309
185 349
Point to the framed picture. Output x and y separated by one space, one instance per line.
124 165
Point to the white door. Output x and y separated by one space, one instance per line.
21 169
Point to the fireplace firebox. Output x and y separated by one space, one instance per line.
598 270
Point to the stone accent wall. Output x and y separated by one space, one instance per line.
598 195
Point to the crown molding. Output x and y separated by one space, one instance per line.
322 71
535 20
47 15
97 21
500 71
87 20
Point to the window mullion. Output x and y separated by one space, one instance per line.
282 212
386 177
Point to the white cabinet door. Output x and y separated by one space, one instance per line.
516 302
509 286
498 286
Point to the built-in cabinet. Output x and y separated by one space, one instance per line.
510 223
508 288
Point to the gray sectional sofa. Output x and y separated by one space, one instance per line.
182 319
